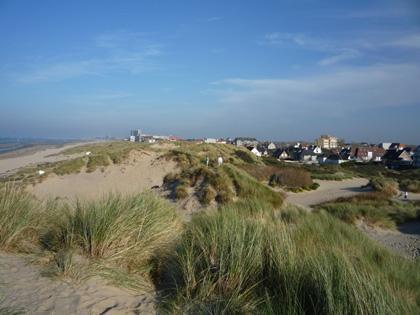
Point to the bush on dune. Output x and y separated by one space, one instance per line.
291 178
384 185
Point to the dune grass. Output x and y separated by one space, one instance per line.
69 166
117 237
246 258
119 234
247 187
375 208
21 217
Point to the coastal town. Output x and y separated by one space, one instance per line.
326 149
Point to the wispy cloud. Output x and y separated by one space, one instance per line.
342 48
336 51
355 88
120 52
346 54
407 41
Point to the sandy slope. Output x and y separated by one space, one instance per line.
328 190
142 171
11 164
22 287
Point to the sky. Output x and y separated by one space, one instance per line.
275 70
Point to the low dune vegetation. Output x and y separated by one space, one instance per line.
117 238
101 155
289 178
248 256
213 183
374 208
408 179
411 185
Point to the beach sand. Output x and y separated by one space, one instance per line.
23 288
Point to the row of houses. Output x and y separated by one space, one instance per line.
396 155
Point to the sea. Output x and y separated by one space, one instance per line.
13 144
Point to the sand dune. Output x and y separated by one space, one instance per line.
140 172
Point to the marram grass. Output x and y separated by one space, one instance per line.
259 261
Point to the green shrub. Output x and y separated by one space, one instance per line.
410 185
384 185
181 192
207 195
291 178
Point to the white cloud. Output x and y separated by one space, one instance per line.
345 55
333 93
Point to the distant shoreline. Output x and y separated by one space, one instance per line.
11 150
42 153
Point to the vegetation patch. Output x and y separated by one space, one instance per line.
247 258
248 187
21 218
96 161
411 185
69 166
334 176
374 208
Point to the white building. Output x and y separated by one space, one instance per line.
327 142
271 146
210 140
256 152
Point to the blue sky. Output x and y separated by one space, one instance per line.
280 70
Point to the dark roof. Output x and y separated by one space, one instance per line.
392 154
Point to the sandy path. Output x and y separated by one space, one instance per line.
328 190
9 165
141 172
411 196
23 287
404 241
